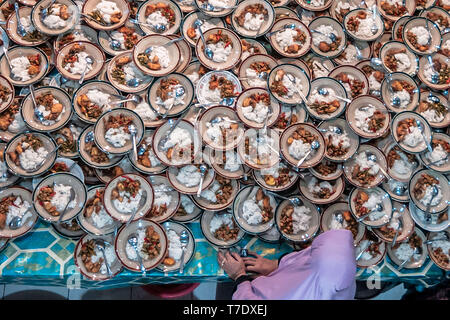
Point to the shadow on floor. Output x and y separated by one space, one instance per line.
34 295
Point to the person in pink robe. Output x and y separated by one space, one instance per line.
324 271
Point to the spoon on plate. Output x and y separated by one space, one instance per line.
137 208
44 12
332 36
17 222
184 239
12 75
133 132
203 170
422 131
207 51
114 44
324 91
39 165
89 61
100 244
210 7
296 201
286 26
20 28
133 241
314 145
149 50
434 193
72 197
400 267
378 208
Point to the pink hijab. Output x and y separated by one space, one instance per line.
324 271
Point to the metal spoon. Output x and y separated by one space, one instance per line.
44 12
422 131
434 193
400 267
435 240
114 44
363 250
132 240
374 28
184 239
134 98
173 125
20 28
42 162
137 208
336 130
150 49
91 18
89 60
296 201
378 208
332 36
210 7
435 75
100 244
373 157
17 221
72 197
324 91
203 170
133 132
395 100
286 26
208 52
359 55
314 145
12 75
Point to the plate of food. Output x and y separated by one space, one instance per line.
221 229
105 14
365 168
92 155
128 196
28 65
166 199
338 216
142 245
96 258
400 226
372 207
59 197
94 219
297 222
277 178
116 131
302 145
159 17
30 154
438 249
17 215
429 191
177 232
60 16
410 254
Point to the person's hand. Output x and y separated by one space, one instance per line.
259 264
232 264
